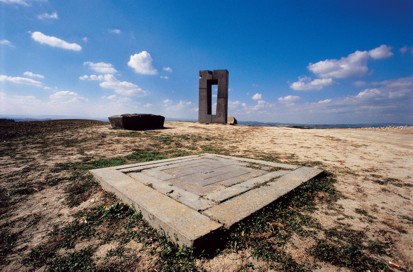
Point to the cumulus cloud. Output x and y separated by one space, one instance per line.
15 2
100 67
142 63
48 16
355 64
257 96
381 52
167 69
55 42
110 82
307 84
6 43
115 31
20 80
31 74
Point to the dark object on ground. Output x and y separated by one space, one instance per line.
11 130
137 121
231 120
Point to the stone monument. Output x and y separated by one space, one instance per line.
206 80
137 121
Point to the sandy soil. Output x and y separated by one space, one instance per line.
373 168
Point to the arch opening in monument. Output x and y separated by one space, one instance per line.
206 80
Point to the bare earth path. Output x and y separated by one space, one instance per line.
51 209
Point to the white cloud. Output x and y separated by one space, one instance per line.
381 52
164 77
92 77
63 103
289 99
369 93
115 31
66 97
110 82
261 105
405 49
100 67
306 84
6 43
142 63
257 96
355 64
110 97
54 42
20 80
15 2
85 39
31 74
235 105
325 101
178 109
167 69
48 16
398 88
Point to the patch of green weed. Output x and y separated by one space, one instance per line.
351 249
79 189
143 156
76 261
94 164
215 149
268 231
174 258
128 134
350 255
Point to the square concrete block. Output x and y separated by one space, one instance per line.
192 199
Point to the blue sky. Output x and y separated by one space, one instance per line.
321 61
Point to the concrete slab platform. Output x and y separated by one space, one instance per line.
193 198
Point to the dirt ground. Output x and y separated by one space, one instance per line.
48 199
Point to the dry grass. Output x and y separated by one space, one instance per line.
54 216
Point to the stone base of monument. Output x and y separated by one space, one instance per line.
193 199
137 121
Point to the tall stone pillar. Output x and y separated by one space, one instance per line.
206 80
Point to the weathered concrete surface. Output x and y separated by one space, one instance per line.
206 80
237 208
193 198
182 224
137 121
